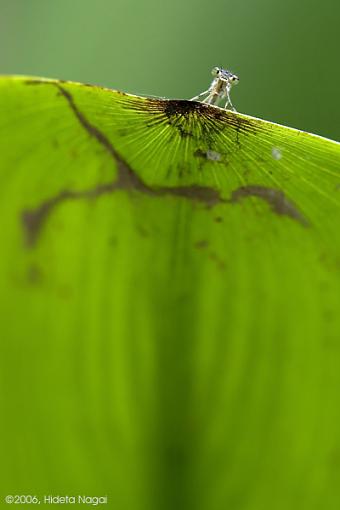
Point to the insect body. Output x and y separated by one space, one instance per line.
220 88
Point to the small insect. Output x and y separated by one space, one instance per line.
220 88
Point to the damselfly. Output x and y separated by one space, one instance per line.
220 88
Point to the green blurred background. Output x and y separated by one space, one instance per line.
285 52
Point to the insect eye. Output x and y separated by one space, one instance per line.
215 71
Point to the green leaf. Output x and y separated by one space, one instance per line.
169 303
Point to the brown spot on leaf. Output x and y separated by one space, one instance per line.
174 107
203 243
183 108
142 230
34 274
218 261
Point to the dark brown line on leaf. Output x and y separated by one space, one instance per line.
274 197
125 173
33 220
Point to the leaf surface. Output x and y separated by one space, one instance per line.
170 303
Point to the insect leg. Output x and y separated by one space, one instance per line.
196 98
212 98
229 104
